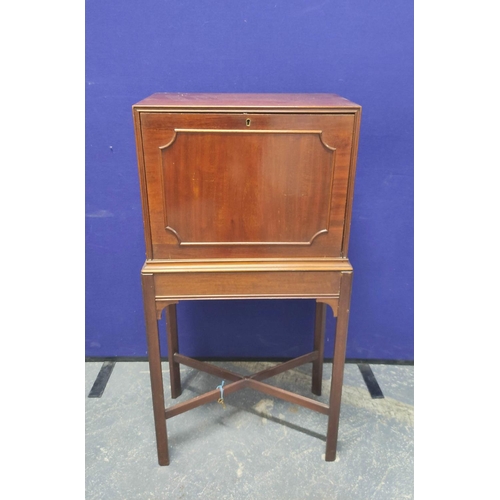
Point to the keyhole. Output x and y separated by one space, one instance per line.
248 122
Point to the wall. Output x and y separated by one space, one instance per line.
360 50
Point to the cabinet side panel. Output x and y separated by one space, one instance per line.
350 187
143 184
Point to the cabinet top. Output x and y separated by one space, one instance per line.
235 101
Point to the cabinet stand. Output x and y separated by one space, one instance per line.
153 310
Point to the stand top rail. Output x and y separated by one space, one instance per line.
207 266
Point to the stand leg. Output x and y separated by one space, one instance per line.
338 366
319 345
153 341
173 348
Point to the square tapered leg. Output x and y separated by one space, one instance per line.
319 345
338 366
153 341
173 348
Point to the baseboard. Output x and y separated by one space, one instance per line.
97 359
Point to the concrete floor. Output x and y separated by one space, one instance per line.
258 447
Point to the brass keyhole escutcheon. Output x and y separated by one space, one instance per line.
248 122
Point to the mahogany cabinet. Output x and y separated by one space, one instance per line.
246 196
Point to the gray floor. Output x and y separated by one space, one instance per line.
258 447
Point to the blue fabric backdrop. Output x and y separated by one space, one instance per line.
359 49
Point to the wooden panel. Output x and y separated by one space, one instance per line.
256 284
285 194
247 187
